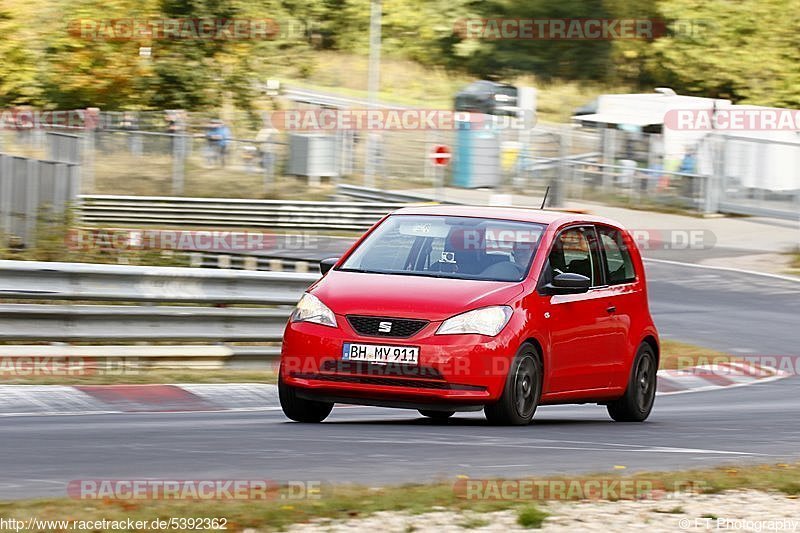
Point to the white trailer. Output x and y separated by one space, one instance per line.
645 113
767 160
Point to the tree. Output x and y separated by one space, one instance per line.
746 51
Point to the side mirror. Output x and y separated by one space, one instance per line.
568 283
327 264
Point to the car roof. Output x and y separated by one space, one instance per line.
520 214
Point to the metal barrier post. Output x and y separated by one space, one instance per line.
31 201
5 193
715 181
268 167
88 160
178 162
560 182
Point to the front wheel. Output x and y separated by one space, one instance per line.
522 390
637 402
300 409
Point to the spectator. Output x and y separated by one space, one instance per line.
689 163
218 137
173 122
173 128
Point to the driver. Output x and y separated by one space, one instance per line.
522 252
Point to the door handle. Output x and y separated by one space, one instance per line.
611 308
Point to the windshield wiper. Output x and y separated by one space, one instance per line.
428 274
397 272
362 271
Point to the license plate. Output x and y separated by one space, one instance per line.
380 353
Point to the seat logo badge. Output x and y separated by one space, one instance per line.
385 327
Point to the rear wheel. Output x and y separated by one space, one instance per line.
522 390
637 402
300 409
436 415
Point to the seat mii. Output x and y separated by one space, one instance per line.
451 308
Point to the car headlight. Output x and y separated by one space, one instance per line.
311 309
485 321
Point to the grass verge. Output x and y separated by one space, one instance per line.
794 262
409 83
677 355
354 501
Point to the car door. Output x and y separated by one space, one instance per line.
581 327
623 295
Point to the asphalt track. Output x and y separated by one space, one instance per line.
735 312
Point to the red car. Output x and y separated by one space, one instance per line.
454 308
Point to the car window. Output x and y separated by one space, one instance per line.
573 251
444 246
436 248
619 266
389 252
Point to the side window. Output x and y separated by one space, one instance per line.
619 267
572 252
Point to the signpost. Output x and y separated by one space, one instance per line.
440 157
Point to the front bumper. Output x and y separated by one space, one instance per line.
456 371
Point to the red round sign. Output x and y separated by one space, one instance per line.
440 155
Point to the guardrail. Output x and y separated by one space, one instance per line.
159 286
139 323
124 359
223 212
89 281
251 262
309 96
368 194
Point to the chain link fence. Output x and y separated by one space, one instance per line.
737 175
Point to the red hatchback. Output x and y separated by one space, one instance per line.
451 308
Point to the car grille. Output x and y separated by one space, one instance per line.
383 370
400 327
391 382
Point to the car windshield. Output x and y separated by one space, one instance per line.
447 246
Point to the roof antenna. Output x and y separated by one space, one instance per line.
546 192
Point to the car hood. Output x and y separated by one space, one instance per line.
394 295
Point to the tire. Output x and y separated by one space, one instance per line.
637 402
522 391
436 415
300 409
